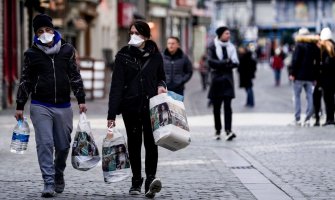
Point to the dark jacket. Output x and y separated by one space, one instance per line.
246 69
49 78
132 86
222 84
305 58
178 69
327 70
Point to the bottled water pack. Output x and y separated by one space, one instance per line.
20 137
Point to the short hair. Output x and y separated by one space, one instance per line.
175 38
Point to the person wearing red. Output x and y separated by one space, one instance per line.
277 64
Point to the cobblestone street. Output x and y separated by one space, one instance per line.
267 160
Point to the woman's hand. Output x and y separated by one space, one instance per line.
111 123
161 89
82 108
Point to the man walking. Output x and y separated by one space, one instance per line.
303 73
222 58
177 66
49 72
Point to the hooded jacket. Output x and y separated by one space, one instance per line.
305 59
50 78
133 84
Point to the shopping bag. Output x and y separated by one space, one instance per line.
85 154
169 121
115 157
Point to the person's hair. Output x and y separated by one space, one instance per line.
142 27
219 31
329 47
175 38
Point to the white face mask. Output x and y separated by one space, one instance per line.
46 38
135 40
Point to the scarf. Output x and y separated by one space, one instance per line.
231 51
54 48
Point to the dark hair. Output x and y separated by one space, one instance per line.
175 38
142 27
221 30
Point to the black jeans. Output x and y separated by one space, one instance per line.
317 96
136 124
328 96
227 113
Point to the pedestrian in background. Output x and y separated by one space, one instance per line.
50 71
203 69
177 66
246 70
277 64
327 80
222 59
303 72
138 75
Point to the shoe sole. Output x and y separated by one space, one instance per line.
134 193
48 195
154 188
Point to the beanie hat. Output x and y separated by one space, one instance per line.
142 27
42 20
326 34
303 31
221 30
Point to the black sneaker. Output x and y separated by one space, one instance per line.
317 123
136 185
59 184
48 191
329 123
154 187
217 135
230 136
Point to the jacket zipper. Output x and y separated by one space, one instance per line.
38 78
53 66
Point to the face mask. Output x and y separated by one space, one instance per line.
46 38
135 40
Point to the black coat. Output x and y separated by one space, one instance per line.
327 70
132 86
178 69
222 84
246 69
305 59
50 78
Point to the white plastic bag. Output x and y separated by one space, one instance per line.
85 154
115 158
169 122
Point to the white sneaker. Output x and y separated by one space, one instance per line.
295 123
306 123
230 136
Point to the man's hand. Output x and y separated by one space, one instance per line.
19 115
111 123
82 108
161 90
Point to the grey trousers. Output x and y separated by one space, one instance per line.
53 127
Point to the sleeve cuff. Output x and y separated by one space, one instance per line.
19 106
81 100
